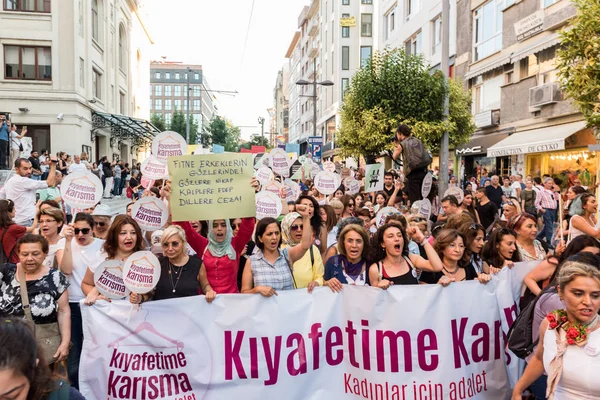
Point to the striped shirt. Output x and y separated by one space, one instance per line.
276 275
545 199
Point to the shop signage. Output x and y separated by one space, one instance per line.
526 149
469 150
348 21
530 25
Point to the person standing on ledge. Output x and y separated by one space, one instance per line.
415 159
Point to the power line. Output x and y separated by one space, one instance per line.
247 34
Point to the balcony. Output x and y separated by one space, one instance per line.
313 49
313 26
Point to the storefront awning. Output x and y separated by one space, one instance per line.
541 44
139 131
550 138
480 70
479 144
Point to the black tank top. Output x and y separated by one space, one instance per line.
405 279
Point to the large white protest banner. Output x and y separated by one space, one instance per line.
407 343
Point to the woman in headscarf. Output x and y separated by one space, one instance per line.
308 270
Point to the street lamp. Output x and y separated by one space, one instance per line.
187 117
314 83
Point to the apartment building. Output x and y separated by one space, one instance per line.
76 77
280 110
506 51
335 38
169 92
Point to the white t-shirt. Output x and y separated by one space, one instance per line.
44 167
513 192
53 248
77 167
84 257
14 140
21 191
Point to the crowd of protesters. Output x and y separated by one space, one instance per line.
319 240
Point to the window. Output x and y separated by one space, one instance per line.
345 29
345 57
196 76
177 75
42 6
158 104
168 104
548 3
366 25
122 103
122 49
196 91
366 1
345 2
488 29
168 90
97 83
167 75
157 75
81 73
436 35
196 105
177 90
414 45
158 90
390 23
345 85
365 55
95 21
487 96
80 19
412 7
168 118
27 63
177 104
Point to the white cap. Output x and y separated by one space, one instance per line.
102 210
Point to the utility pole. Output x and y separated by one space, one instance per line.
445 144
187 116
261 122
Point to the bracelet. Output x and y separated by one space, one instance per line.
424 242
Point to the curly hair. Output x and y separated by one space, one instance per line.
377 252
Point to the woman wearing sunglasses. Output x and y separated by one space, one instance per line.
474 235
81 250
349 206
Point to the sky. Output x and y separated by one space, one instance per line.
213 33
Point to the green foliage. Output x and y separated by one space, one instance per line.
194 132
178 123
159 122
578 60
258 140
218 130
392 88
233 137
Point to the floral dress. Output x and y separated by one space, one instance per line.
43 294
540 253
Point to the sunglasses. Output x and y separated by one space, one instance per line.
294 228
477 227
418 219
85 231
99 223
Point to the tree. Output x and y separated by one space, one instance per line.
194 132
578 60
258 140
159 122
178 123
394 88
233 137
218 130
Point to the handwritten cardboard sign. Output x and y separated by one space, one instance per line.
168 144
81 190
327 182
154 169
268 205
150 213
141 272
108 279
211 186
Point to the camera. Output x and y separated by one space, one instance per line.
394 138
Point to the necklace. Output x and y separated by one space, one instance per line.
451 272
177 273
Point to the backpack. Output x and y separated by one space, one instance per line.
416 156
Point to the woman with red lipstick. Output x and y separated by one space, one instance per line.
51 222
393 265
123 239
569 341
500 251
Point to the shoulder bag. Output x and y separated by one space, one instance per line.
47 335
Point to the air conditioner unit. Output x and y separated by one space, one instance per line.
544 94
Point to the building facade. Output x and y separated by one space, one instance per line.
169 92
76 78
507 54
280 111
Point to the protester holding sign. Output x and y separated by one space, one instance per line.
313 210
500 251
569 339
392 262
270 268
123 239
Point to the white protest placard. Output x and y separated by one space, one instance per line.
314 168
427 184
150 213
383 214
81 190
293 190
168 144
273 187
425 208
108 279
374 178
328 166
154 169
327 182
268 205
352 185
456 192
141 272
279 162
264 175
